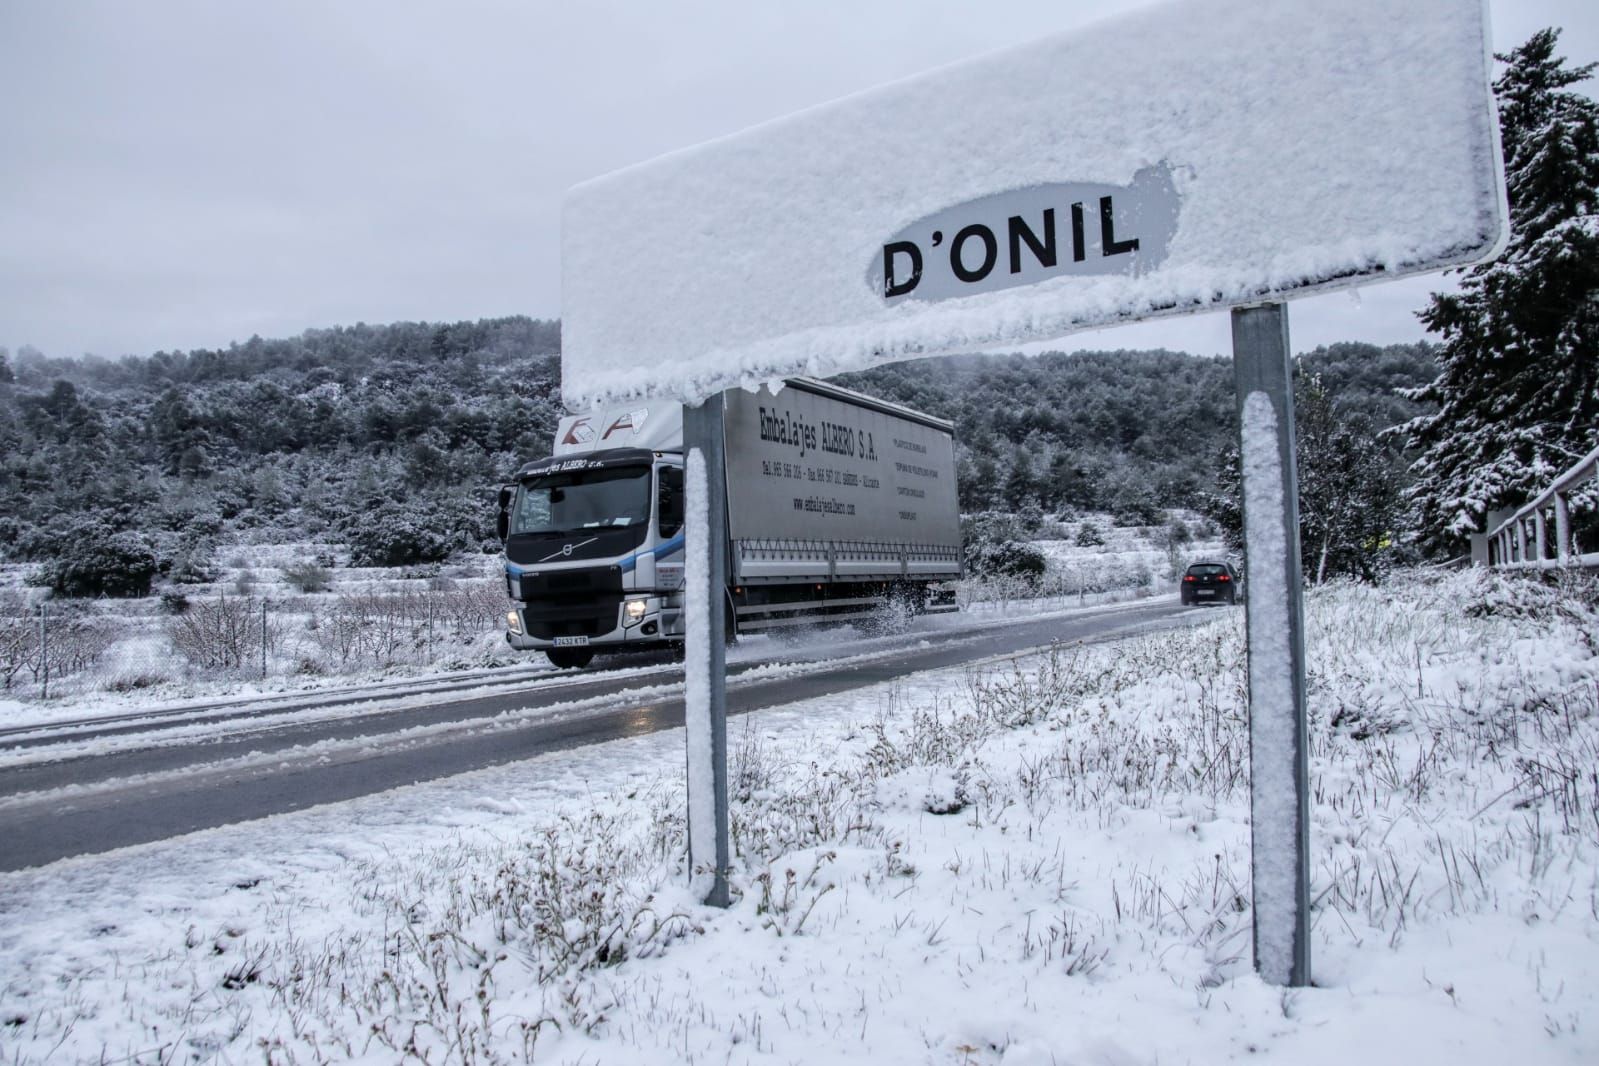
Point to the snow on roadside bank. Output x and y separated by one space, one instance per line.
1025 864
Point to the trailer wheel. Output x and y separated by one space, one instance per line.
569 658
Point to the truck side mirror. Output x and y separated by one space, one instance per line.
502 524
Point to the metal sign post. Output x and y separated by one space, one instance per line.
705 648
1278 759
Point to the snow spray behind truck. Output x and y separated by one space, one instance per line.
837 504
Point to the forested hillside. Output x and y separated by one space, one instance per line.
1123 432
388 438
392 439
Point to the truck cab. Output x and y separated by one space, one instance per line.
594 539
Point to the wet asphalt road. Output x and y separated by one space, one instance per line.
160 783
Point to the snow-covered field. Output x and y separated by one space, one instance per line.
374 626
1093 551
1039 862
249 630
1090 554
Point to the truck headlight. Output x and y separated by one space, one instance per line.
634 610
514 621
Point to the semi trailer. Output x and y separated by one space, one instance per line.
838 505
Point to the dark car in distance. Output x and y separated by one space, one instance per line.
1209 583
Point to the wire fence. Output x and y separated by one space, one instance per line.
59 648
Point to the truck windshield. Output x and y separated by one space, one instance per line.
583 499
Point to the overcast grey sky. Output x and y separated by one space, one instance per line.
184 174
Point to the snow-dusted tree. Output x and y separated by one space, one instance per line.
1518 395
1348 488
1349 496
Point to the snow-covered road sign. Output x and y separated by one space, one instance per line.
1191 156
1188 156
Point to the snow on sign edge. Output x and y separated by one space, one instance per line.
1371 153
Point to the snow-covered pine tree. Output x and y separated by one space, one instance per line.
1518 393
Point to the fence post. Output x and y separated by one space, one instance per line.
1540 531
44 654
263 638
1562 529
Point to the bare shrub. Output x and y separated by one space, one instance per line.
380 629
19 641
75 641
363 628
224 633
477 606
136 680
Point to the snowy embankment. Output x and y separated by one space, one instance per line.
1036 862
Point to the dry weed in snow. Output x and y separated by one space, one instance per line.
1043 861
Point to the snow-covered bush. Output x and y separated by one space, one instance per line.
995 545
192 565
308 576
91 559
400 534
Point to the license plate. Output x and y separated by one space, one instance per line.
1207 592
570 642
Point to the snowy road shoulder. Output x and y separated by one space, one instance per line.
1025 864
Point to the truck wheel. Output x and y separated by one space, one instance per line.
569 658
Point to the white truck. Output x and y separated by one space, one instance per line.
837 504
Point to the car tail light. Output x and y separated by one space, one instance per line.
1188 577
1223 577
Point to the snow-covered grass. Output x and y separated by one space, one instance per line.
1037 861
253 629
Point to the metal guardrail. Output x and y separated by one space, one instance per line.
1520 538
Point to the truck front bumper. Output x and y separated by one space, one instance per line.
636 620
